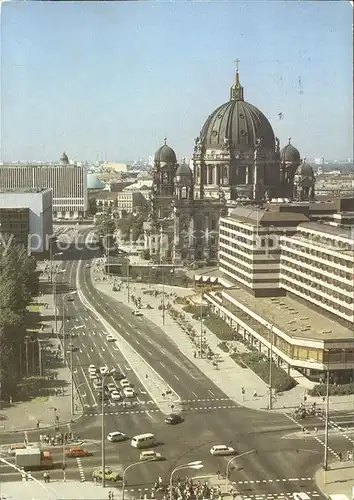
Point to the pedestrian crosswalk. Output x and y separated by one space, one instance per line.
277 496
81 469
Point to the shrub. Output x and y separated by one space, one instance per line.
281 381
334 390
220 328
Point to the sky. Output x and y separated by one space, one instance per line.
110 80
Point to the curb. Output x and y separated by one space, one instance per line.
46 427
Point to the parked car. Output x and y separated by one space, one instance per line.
118 376
137 313
111 387
110 338
222 449
115 396
173 418
128 392
124 382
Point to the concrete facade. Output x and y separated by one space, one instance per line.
39 205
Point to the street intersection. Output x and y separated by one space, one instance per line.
281 465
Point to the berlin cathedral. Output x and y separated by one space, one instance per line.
236 159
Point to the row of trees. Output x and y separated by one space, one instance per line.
18 282
130 226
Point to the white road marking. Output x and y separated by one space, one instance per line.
148 414
211 392
150 353
137 341
161 363
175 376
196 395
148 340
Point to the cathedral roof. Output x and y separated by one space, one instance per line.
165 154
183 169
290 154
238 123
305 170
64 158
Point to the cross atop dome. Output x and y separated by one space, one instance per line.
236 91
165 139
289 139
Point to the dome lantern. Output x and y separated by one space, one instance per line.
165 154
289 154
236 91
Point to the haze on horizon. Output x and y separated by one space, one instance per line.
111 80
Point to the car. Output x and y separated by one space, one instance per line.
111 387
173 418
128 392
103 370
115 396
88 266
110 475
110 338
77 452
70 299
150 455
222 449
92 368
97 384
124 382
92 375
301 496
137 313
118 376
116 436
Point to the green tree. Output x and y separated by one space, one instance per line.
92 208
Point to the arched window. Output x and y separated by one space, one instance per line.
184 192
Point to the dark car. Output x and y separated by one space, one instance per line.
173 418
118 376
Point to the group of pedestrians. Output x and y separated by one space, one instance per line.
185 489
57 439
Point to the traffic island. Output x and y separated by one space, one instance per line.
338 479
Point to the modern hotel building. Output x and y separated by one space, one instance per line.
290 286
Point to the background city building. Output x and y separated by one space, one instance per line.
27 216
67 181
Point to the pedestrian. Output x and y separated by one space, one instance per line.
218 473
315 430
37 423
340 456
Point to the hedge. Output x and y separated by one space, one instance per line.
281 381
334 390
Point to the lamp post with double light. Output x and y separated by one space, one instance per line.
63 319
230 462
103 444
127 468
191 465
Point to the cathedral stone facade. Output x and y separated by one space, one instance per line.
236 158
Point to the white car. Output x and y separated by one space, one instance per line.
103 370
115 396
92 368
111 387
222 449
150 455
110 338
137 312
116 436
125 382
128 392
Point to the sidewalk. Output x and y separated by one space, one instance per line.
338 480
70 490
23 415
229 376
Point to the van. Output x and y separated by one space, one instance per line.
143 440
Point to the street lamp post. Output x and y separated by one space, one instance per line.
40 356
230 462
325 460
63 320
192 465
126 469
103 378
163 296
128 279
54 291
51 257
270 367
26 343
201 326
71 366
